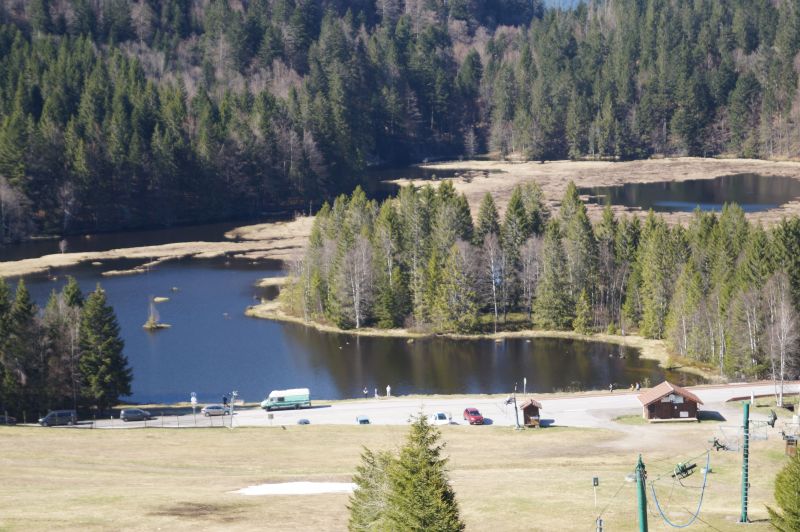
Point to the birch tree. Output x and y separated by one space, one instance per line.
782 331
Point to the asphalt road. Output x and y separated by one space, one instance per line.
584 410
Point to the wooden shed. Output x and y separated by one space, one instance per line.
669 402
530 412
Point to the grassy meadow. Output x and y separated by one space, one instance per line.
180 479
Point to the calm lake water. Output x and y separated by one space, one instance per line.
753 192
212 347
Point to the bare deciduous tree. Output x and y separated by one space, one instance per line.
531 269
782 333
15 222
358 272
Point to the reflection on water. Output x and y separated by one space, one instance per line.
213 348
753 192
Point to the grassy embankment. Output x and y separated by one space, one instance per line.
153 479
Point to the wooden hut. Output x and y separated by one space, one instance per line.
669 402
530 412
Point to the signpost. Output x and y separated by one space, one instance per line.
524 385
193 400
234 395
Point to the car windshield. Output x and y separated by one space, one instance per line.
473 412
441 416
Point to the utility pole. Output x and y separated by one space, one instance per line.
516 412
745 460
641 475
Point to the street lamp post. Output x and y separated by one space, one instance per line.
516 412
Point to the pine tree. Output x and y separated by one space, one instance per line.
420 497
516 224
104 367
488 219
583 315
553 308
787 486
368 503
21 379
72 293
455 307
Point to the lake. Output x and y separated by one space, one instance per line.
753 192
213 348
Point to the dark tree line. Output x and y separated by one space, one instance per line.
721 291
120 114
67 355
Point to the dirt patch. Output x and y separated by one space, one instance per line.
205 511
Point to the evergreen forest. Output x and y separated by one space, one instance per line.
722 291
69 355
118 114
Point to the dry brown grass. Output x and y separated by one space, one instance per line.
553 177
280 240
148 479
287 240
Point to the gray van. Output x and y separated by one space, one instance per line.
59 417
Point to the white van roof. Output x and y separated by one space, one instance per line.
293 391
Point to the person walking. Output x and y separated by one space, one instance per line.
366 392
376 393
611 387
388 391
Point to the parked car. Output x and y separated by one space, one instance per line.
439 418
134 414
8 420
59 417
215 410
473 416
362 420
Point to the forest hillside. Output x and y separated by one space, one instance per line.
117 114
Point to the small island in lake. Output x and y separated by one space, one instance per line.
153 322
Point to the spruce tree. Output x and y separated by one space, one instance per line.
104 367
368 503
583 315
21 377
553 308
787 488
488 219
421 498
72 293
516 225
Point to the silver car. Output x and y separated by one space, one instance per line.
215 410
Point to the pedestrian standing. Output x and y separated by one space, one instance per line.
366 392
638 386
611 387
376 393
388 391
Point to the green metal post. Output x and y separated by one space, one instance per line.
745 461
641 475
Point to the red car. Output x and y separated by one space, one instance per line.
473 416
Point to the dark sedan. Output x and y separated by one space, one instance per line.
134 414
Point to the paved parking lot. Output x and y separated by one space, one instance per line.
586 410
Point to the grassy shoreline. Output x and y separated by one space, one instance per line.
648 349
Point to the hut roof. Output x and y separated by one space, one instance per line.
530 402
665 388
